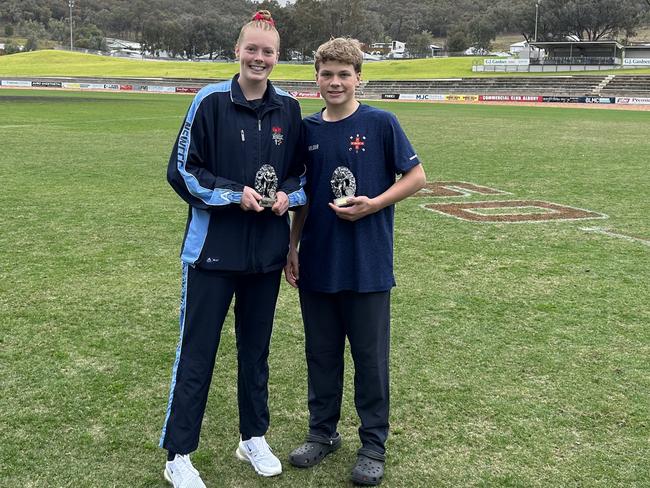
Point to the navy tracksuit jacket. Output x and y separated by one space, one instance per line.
221 146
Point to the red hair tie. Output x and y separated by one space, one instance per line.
259 16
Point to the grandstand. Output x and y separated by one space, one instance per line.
573 86
627 86
566 86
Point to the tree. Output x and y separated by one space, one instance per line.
221 35
173 37
11 48
457 40
588 20
88 36
481 32
310 30
152 38
31 44
400 23
31 28
58 30
351 18
418 45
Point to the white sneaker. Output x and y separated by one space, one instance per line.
257 452
181 474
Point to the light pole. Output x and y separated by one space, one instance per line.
71 4
537 2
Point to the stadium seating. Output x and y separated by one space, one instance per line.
542 85
628 86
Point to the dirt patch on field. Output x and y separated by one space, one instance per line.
512 211
455 189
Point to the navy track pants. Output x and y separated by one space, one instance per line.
205 300
365 319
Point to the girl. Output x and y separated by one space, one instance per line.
235 132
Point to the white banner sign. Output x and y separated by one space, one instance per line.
91 86
425 96
633 100
636 61
506 62
16 83
161 89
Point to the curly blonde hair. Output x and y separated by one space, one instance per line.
343 50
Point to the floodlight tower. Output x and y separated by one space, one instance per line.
71 4
537 2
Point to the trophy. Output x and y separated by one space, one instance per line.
344 185
266 184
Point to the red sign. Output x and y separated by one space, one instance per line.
510 98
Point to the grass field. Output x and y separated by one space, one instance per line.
519 352
62 63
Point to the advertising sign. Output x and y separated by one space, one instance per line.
506 62
24 83
48 84
461 98
91 86
636 62
510 98
562 99
633 100
422 97
299 94
187 89
161 89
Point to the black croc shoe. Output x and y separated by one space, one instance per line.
368 471
314 450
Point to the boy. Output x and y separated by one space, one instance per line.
344 271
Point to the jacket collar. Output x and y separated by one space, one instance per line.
271 98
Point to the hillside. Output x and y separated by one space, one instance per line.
62 63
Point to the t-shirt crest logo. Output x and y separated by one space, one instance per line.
278 137
357 143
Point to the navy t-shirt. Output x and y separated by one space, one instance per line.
335 254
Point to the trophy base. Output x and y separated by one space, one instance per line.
342 202
267 202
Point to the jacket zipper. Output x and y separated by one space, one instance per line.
259 163
259 140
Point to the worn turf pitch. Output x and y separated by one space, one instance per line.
519 352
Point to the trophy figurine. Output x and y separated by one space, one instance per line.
344 186
266 184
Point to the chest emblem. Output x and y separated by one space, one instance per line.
277 136
357 143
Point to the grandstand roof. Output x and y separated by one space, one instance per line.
547 44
